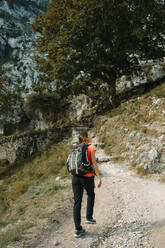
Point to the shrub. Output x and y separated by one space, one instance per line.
48 105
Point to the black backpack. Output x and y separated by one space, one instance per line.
77 162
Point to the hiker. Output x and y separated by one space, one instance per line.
79 183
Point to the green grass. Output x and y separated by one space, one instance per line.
48 187
33 182
158 91
3 224
48 165
116 112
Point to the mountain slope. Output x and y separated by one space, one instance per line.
133 133
133 138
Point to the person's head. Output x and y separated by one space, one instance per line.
85 137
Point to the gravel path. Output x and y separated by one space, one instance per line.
129 211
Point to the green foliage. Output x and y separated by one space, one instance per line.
90 42
3 223
158 91
48 104
8 99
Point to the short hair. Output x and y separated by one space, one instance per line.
82 137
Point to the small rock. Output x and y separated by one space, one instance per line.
58 178
103 159
56 243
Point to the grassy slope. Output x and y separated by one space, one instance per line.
135 122
32 192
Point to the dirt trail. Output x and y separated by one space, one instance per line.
130 212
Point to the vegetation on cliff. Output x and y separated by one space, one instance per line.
88 43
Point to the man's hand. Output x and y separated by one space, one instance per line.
99 182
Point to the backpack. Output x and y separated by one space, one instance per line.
77 162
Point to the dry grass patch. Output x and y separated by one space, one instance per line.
17 189
13 234
32 190
118 159
37 204
142 172
132 124
162 179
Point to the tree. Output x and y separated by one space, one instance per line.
87 43
47 105
10 102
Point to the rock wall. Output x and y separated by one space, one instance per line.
149 72
17 41
17 50
78 111
17 147
135 135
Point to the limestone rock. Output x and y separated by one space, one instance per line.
14 148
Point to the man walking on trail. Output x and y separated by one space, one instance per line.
79 183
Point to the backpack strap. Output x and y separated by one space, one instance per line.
85 154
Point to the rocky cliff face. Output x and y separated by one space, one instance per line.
17 50
15 148
133 134
149 72
17 41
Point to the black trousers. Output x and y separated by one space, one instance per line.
78 186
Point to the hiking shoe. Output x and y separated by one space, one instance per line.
90 221
79 233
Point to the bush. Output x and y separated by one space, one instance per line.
48 105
